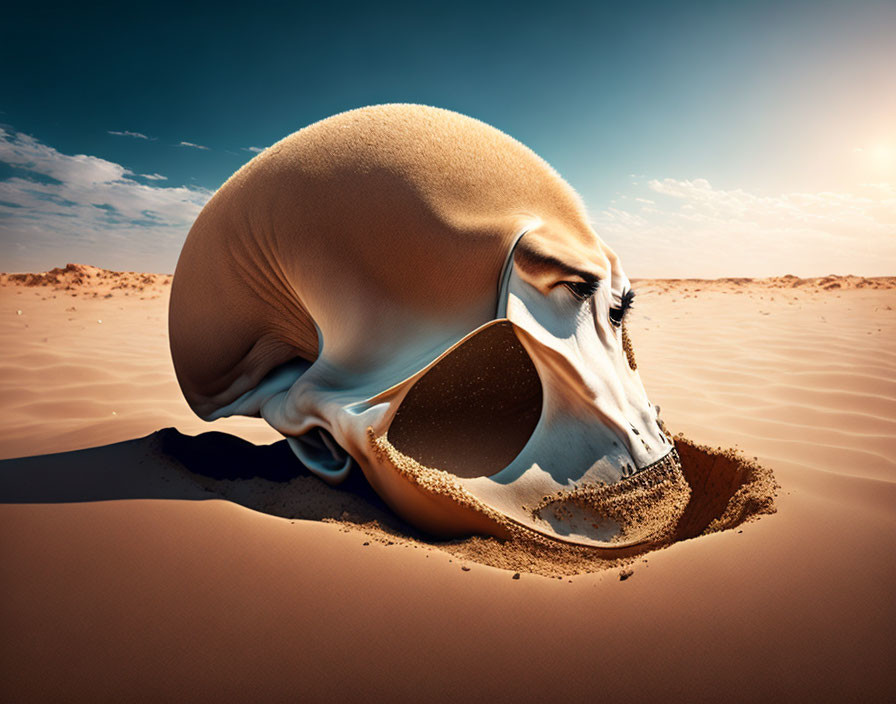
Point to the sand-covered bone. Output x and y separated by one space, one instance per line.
407 269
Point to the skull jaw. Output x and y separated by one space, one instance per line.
638 511
574 480
569 476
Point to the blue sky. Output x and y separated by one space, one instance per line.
691 129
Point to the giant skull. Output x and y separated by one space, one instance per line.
410 290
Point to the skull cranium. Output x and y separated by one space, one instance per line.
412 291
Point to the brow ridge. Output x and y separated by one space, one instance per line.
538 262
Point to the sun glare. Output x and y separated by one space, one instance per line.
878 155
882 154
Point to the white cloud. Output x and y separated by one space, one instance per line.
86 209
153 177
254 150
128 133
690 228
194 146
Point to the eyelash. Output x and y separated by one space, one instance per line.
625 305
582 290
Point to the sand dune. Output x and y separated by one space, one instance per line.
130 572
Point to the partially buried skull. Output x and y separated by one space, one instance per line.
410 290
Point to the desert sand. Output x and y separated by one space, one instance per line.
131 572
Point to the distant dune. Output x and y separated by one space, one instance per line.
90 280
96 282
826 283
142 563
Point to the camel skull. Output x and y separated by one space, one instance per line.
411 291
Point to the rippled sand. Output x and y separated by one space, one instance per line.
126 576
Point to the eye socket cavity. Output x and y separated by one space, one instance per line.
617 313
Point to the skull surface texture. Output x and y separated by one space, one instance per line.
413 291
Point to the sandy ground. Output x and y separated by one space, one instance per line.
126 576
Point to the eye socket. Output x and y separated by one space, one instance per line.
625 305
582 290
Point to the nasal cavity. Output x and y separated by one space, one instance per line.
473 412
